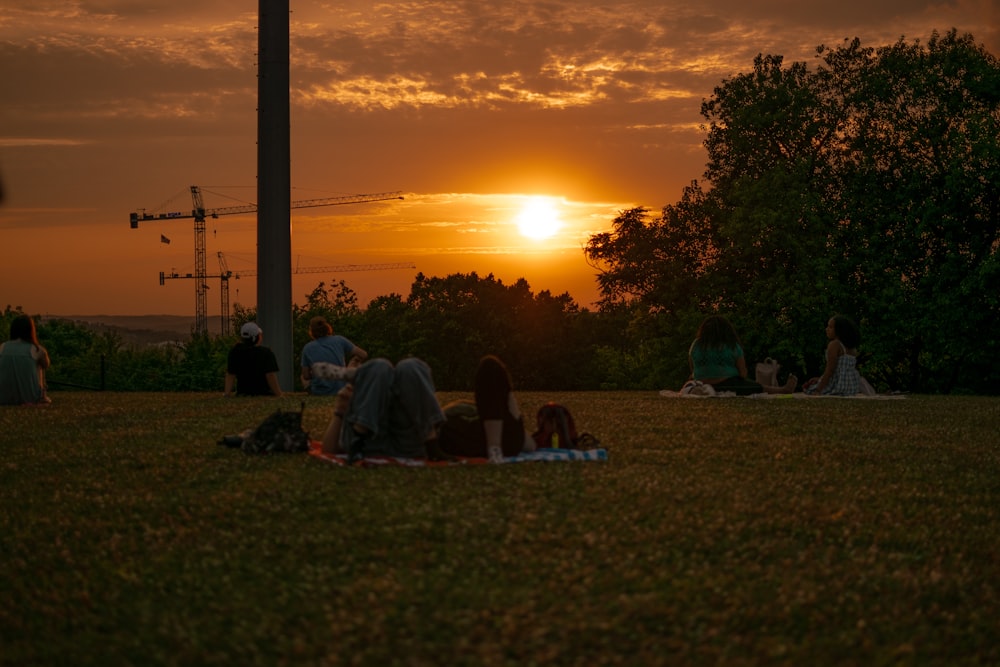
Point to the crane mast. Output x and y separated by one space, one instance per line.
199 213
200 269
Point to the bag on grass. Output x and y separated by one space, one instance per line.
281 432
766 372
698 388
556 428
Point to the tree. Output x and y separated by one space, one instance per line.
462 317
867 185
388 329
455 320
921 182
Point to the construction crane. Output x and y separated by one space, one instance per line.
225 274
199 213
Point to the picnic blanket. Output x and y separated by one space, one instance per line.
547 455
667 393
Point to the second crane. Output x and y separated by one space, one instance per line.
199 213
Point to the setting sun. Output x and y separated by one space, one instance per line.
539 218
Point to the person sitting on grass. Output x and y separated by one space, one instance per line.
23 362
251 368
840 377
716 359
330 348
493 426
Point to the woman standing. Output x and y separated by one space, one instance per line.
23 362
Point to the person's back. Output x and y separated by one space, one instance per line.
20 381
333 349
23 362
714 361
250 366
716 358
328 348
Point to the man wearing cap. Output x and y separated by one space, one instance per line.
327 348
251 368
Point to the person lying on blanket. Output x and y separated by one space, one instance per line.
384 410
393 412
716 358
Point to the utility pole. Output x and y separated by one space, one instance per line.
274 187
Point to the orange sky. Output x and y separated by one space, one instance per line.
111 106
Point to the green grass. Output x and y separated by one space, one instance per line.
720 532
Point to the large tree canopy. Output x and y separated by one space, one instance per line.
866 184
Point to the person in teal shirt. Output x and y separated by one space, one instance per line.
23 362
716 359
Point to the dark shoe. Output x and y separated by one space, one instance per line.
435 453
232 440
356 447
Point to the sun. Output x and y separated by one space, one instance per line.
539 218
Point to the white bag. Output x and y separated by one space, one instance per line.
766 372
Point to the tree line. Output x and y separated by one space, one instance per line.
866 185
450 322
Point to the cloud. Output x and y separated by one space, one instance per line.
49 141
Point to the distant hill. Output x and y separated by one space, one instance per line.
143 329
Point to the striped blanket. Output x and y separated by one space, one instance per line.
526 457
667 393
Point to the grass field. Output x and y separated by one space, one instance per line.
732 532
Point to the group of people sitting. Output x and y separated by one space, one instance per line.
392 410
385 409
252 368
716 359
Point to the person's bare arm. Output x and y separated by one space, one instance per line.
42 357
331 437
358 354
832 353
272 382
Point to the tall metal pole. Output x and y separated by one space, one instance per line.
274 188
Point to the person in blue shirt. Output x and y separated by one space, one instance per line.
327 348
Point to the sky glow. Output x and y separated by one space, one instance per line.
468 108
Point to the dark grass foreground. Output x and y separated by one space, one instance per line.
800 532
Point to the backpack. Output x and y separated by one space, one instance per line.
281 432
556 428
